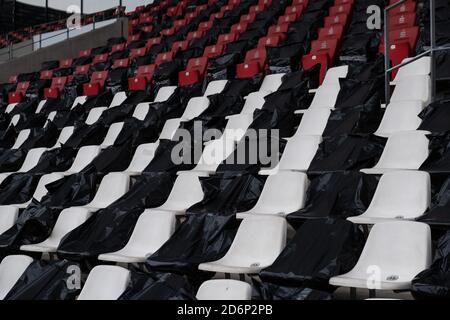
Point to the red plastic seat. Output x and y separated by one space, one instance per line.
397 53
195 35
257 55
239 27
328 47
408 35
19 94
226 8
195 71
250 18
100 58
118 48
152 42
297 10
121 63
147 29
332 32
142 78
338 9
178 24
47 74
247 70
84 69
287 18
257 8
85 53
217 15
339 19
227 38
65 63
213 51
180 46
97 83
278 29
266 3
163 57
310 60
303 3
138 52
403 20
206 25
56 88
270 41
12 79
146 20
403 8
133 38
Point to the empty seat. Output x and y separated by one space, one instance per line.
213 51
195 71
19 95
112 134
56 87
31 160
415 87
314 121
179 200
400 116
338 19
310 60
11 269
152 230
214 153
253 101
224 289
164 93
84 157
271 82
334 74
21 138
283 193
105 283
118 99
66 222
258 242
394 253
95 86
94 115
399 195
195 107
215 87
325 96
420 67
404 150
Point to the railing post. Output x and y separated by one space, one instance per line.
432 49
387 62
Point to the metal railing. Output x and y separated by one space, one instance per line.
431 51
85 22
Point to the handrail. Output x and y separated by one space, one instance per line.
431 51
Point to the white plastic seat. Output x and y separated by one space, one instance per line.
118 99
164 93
168 131
112 134
79 100
11 269
105 283
40 106
51 116
186 191
141 111
84 156
258 242
403 150
417 87
254 101
195 107
420 67
112 187
94 115
314 121
10 107
66 222
214 153
399 195
224 289
15 120
64 135
394 253
271 82
298 154
325 96
215 87
152 230
400 116
142 157
41 190
334 74
283 193
21 138
31 160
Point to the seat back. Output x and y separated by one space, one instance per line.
113 186
179 197
41 190
165 93
224 289
195 107
272 82
299 152
105 283
11 269
21 138
84 157
112 134
400 116
215 87
32 159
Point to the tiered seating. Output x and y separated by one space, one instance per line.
93 145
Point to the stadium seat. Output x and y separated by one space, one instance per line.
152 230
400 195
179 200
257 244
325 96
403 20
213 51
11 269
334 74
271 82
19 95
215 87
84 157
195 71
56 88
338 19
224 289
395 252
31 160
278 29
328 47
253 101
283 193
96 85
404 150
121 63
310 60
94 115
142 78
417 87
420 67
105 283
194 108
400 116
